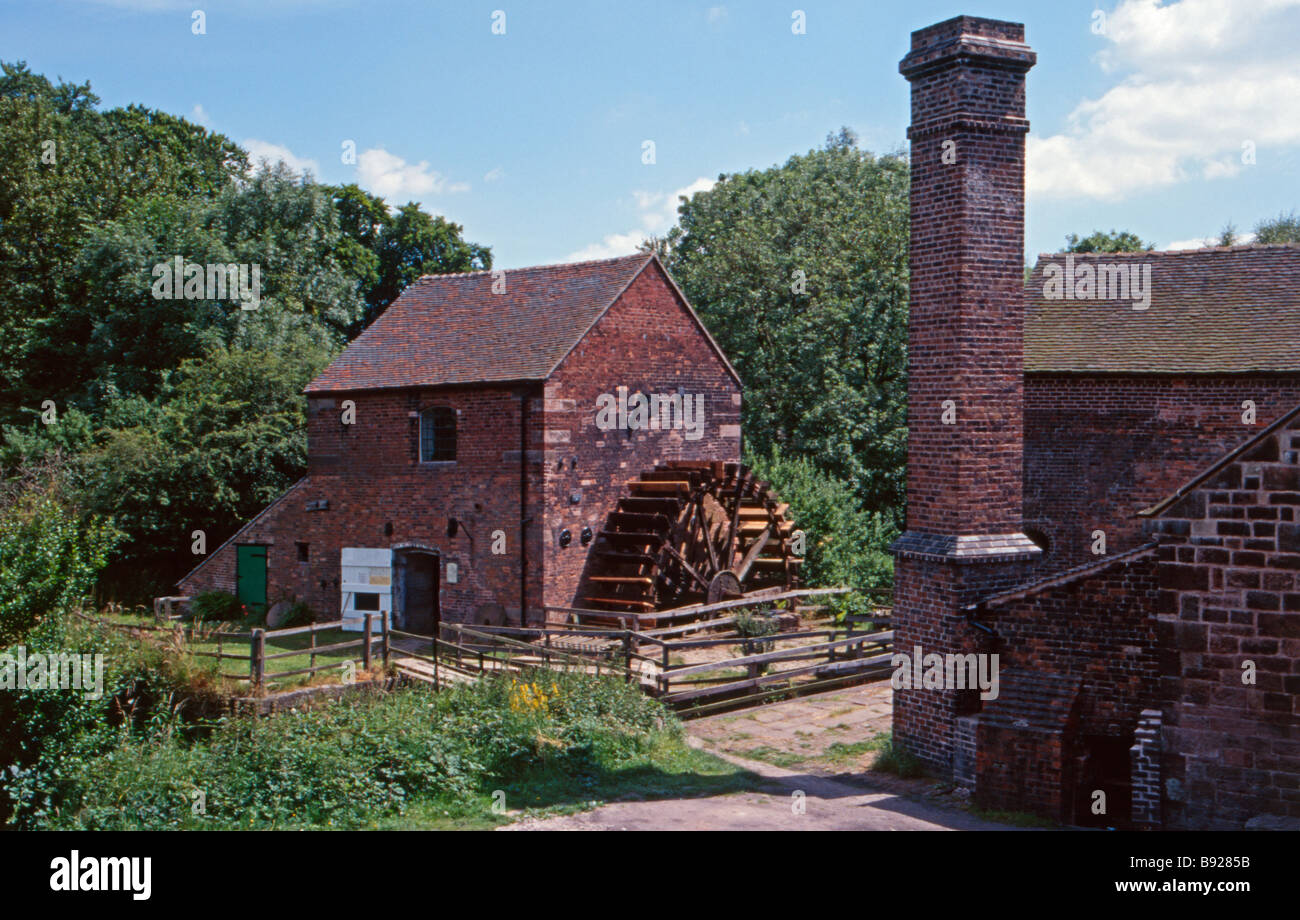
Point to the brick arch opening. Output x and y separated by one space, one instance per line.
417 570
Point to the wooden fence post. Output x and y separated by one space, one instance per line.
312 636
365 646
384 644
257 660
627 655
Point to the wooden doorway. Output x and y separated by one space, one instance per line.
421 611
250 577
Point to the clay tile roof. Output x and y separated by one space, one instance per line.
451 329
1226 310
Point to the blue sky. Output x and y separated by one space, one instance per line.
533 139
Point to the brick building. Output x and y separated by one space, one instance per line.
1102 489
454 460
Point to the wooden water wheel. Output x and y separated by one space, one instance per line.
691 532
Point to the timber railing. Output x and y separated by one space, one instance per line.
252 646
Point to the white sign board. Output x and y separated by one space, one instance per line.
366 586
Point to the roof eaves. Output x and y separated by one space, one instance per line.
1069 576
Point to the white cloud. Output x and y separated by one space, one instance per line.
1202 78
397 181
716 14
199 115
493 175
265 150
1242 239
657 212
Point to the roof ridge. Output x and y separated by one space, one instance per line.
533 268
1241 247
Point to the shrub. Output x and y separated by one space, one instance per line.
216 607
753 627
298 614
50 554
351 763
845 544
893 759
47 737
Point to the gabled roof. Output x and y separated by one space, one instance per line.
1212 311
452 329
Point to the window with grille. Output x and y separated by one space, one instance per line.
437 435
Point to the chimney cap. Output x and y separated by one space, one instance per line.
992 41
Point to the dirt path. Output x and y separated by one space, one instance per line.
811 756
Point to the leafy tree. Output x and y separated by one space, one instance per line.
50 552
1227 236
117 338
65 170
387 251
800 272
1285 228
226 437
1114 241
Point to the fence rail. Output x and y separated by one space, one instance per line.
639 648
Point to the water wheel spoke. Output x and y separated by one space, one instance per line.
754 552
688 568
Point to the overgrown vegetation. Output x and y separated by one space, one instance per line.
216 607
50 551
845 544
130 761
895 760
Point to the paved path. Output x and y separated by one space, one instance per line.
818 787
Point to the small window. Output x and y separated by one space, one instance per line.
437 435
365 601
303 555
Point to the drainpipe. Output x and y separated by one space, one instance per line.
971 612
524 519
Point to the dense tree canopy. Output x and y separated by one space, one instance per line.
800 271
176 413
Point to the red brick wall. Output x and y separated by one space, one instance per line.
1101 629
965 336
1077 663
1100 449
1230 558
966 308
646 342
369 474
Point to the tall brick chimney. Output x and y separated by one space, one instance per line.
965 360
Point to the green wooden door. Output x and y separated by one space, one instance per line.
250 577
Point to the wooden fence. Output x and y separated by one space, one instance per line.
257 656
